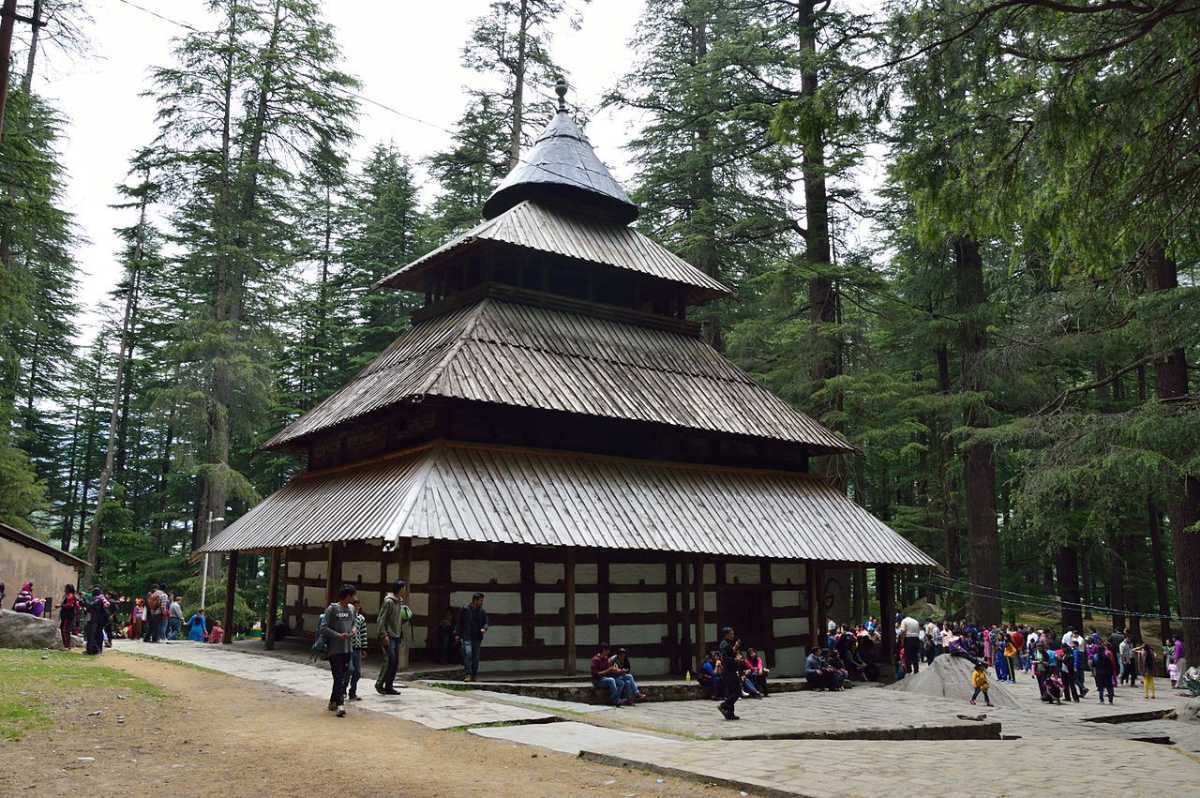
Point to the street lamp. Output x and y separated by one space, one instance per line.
204 573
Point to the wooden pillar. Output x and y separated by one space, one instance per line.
528 605
404 559
810 592
698 586
569 613
604 624
685 636
331 562
437 590
672 616
768 594
272 600
822 611
230 596
886 586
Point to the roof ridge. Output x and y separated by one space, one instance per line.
472 320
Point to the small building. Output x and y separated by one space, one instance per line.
555 433
24 558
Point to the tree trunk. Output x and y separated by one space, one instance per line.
30 59
944 447
704 255
124 346
1160 569
68 521
518 112
1183 504
979 466
822 291
1067 566
1116 582
1089 584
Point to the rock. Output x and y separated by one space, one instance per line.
1190 712
96 714
950 677
22 630
86 758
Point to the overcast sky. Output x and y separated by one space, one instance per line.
405 52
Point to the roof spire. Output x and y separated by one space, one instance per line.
560 88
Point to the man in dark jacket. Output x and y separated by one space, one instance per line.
472 626
1102 671
337 627
731 669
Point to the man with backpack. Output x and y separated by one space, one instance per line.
337 630
391 634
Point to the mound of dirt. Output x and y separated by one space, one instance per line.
950 677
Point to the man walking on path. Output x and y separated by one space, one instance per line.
391 635
730 678
337 627
912 644
175 619
472 626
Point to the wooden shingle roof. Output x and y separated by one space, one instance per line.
536 226
497 494
510 353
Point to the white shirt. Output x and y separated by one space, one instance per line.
1067 638
911 627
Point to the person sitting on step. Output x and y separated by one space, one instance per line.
709 676
607 676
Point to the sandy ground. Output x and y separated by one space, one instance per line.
221 736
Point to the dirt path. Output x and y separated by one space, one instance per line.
221 736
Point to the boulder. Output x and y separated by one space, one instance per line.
21 630
950 677
1191 711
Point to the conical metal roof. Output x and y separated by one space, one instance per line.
561 167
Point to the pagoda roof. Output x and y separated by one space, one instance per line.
562 165
497 494
536 225
506 352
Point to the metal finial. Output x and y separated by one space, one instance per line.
560 88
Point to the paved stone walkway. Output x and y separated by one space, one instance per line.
546 703
433 708
860 768
568 737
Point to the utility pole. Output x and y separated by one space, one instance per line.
204 573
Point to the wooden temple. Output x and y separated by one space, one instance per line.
554 432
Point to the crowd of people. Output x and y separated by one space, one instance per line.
1059 663
100 617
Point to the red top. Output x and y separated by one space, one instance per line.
216 634
599 665
1018 640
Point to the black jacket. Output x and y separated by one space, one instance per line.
471 623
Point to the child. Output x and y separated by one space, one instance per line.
217 634
979 681
1173 673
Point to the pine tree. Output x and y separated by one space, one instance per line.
469 170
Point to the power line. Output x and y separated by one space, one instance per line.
1029 599
370 100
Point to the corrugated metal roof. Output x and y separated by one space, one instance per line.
515 354
537 226
452 491
561 158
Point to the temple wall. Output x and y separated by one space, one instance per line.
625 598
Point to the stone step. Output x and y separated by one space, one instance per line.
585 693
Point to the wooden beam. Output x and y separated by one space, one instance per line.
527 599
604 624
672 615
404 559
822 610
698 585
886 586
764 579
272 600
569 613
810 592
685 636
331 562
230 596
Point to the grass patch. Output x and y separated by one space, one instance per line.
31 681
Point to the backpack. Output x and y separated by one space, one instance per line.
153 602
320 646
